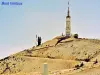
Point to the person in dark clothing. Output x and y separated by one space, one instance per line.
39 40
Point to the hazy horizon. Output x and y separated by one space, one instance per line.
20 24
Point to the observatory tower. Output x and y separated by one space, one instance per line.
68 23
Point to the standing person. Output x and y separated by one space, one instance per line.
39 40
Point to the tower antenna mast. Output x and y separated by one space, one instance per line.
68 22
68 9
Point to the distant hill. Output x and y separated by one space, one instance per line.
65 55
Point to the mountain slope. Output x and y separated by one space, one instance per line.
65 55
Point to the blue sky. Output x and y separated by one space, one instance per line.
20 24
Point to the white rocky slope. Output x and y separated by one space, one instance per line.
65 55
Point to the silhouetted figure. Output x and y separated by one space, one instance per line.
39 41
